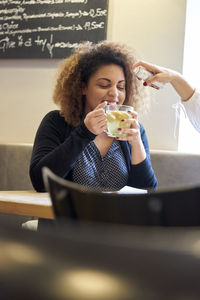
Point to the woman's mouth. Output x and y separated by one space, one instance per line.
111 101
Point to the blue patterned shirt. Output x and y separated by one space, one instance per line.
106 173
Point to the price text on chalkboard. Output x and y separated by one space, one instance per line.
49 28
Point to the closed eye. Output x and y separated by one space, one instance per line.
103 86
121 88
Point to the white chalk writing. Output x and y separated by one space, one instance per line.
41 2
87 26
44 44
40 23
93 13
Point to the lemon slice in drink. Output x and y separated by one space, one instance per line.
122 115
111 116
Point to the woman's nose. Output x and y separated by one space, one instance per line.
113 91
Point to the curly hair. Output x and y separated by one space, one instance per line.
82 64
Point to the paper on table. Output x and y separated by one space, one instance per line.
131 190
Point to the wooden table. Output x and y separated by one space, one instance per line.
26 203
30 203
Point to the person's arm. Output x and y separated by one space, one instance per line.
192 108
189 97
142 174
57 146
133 136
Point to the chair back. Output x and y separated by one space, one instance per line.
71 201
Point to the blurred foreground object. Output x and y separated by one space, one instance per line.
83 262
167 207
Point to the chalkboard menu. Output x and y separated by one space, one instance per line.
49 28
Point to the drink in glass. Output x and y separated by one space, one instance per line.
115 114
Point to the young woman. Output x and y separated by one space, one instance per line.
189 96
72 141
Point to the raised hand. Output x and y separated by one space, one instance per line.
95 121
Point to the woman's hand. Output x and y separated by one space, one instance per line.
138 153
133 133
163 75
96 121
160 74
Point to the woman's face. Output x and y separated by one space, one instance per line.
106 84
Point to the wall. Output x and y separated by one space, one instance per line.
155 28
191 66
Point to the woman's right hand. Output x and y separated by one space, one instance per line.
95 120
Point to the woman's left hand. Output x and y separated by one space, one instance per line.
138 153
133 133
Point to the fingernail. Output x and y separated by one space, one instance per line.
144 83
119 129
